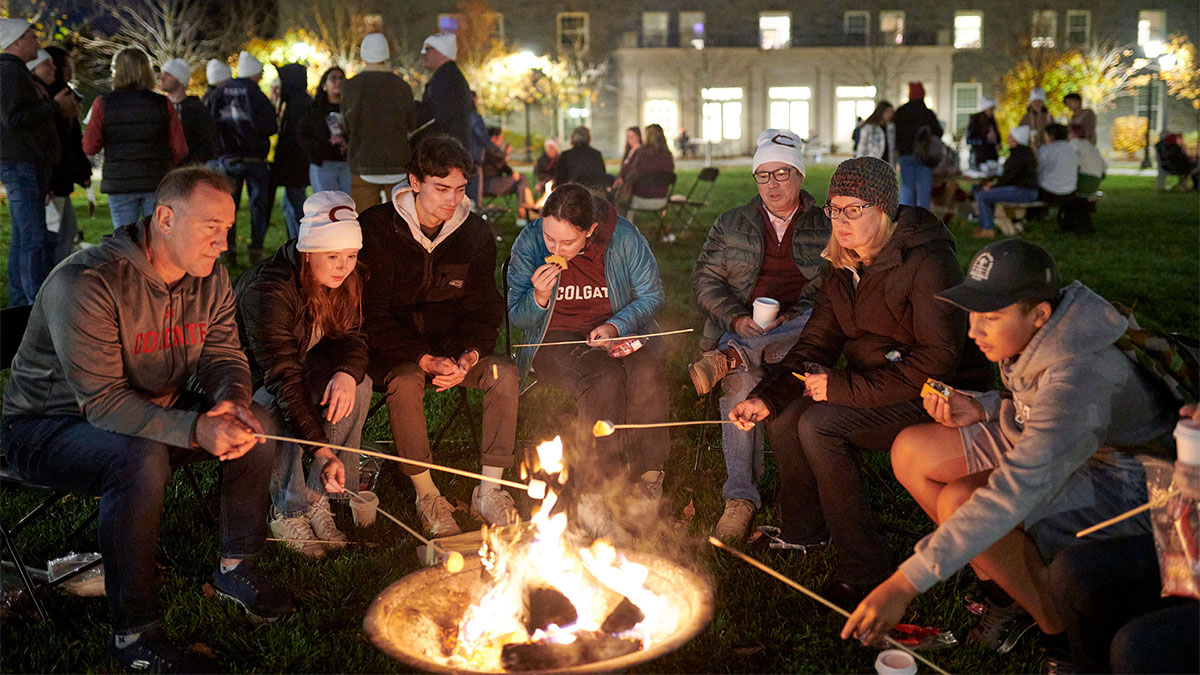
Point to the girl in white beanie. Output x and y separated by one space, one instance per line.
1037 117
299 313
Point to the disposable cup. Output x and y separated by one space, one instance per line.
1187 441
765 311
365 508
895 662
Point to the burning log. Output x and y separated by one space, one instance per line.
545 606
588 647
625 616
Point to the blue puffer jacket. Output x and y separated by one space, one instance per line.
630 272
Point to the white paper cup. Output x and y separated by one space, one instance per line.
364 511
765 311
1187 442
895 662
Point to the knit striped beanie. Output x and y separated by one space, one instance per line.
869 179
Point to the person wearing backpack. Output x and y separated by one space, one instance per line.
1011 480
918 134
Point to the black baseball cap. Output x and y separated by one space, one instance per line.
1004 273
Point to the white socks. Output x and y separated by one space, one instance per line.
491 472
423 483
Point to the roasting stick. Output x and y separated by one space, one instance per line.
1128 514
402 460
612 339
717 542
606 428
313 541
454 560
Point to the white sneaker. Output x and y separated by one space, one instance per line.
437 516
320 518
734 521
494 506
298 534
596 520
642 511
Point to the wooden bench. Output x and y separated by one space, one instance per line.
1010 216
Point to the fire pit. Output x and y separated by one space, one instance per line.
539 601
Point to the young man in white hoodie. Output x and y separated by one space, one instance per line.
1010 481
432 314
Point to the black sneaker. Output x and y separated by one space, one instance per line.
154 653
249 587
1000 628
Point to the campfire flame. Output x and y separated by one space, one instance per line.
541 201
539 555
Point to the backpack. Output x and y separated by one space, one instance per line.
928 148
1169 358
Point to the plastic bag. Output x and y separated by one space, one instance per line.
1175 520
89 583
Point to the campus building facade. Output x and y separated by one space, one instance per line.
723 69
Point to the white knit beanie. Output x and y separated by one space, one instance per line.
42 56
446 43
11 30
985 103
1038 94
330 223
248 66
178 69
217 71
374 48
779 145
1020 134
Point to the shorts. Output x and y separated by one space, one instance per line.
1107 485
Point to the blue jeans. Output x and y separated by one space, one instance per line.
130 207
32 244
256 176
290 493
987 199
330 176
68 230
744 449
293 208
130 475
916 182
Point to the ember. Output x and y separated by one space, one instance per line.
534 600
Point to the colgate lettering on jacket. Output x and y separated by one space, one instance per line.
155 340
581 292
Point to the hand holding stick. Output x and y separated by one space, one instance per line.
717 542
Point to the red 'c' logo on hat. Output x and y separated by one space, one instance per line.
780 139
333 212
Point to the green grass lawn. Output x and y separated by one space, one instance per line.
1144 254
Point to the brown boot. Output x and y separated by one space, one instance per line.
708 370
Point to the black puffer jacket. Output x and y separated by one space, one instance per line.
892 310
291 164
276 331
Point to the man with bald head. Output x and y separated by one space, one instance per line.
97 404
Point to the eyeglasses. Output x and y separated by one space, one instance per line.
853 212
780 176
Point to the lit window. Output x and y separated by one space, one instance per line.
654 29
789 109
966 103
722 113
1079 27
968 30
854 102
691 29
775 30
452 23
1044 28
573 32
661 108
891 27
1152 26
856 25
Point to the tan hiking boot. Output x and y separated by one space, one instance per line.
437 516
298 535
707 371
320 518
735 522
494 506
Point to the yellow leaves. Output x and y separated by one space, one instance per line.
1129 134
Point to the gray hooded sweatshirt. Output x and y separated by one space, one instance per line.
110 340
1074 394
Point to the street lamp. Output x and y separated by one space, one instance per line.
1156 58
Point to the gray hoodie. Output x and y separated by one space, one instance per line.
110 340
1074 393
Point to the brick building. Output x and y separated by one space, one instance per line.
729 68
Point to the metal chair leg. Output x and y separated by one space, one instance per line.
23 572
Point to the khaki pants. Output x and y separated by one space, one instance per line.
364 194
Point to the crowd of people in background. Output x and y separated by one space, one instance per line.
862 303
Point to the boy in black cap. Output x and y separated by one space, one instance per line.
1010 481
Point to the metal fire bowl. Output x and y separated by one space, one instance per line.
414 617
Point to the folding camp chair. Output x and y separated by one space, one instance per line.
687 206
